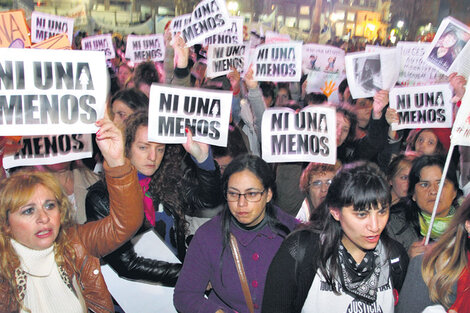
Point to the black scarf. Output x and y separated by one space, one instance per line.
360 280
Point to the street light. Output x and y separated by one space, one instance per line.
400 24
232 6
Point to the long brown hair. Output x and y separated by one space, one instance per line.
445 262
15 192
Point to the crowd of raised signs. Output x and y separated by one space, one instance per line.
259 204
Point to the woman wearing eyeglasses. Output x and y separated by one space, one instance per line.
259 229
314 183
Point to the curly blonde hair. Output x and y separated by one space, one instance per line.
15 192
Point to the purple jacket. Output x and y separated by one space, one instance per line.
203 265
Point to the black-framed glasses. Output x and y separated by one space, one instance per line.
252 196
319 183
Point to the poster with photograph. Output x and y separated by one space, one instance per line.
448 46
369 72
414 71
364 73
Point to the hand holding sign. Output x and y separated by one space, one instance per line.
181 51
458 83
199 150
380 102
110 141
250 82
234 78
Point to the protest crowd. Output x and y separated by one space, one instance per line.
208 169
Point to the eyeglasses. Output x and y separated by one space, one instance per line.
252 196
319 183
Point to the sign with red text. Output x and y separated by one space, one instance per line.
305 136
204 112
51 92
422 106
44 26
13 30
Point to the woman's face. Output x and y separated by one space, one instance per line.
343 126
425 192
318 187
144 155
121 112
363 110
361 229
246 212
426 143
399 182
123 75
36 224
449 40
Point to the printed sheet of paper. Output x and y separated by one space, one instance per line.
221 59
145 48
205 112
279 62
43 150
51 92
306 136
422 106
100 43
137 297
210 17
232 36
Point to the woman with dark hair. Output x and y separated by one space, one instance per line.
125 102
441 276
409 220
427 142
173 187
343 261
257 227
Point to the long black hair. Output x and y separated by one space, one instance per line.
263 171
361 185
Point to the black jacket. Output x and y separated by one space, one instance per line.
204 192
294 268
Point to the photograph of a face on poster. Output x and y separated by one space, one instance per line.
447 47
367 75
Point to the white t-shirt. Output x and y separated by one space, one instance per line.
321 297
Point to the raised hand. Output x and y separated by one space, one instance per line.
199 150
110 140
380 102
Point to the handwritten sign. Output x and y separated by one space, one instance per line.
100 43
59 42
43 150
322 58
422 107
44 26
232 36
51 91
306 136
208 18
13 28
205 112
280 62
414 71
144 48
221 58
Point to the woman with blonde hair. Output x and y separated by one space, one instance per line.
441 276
47 262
